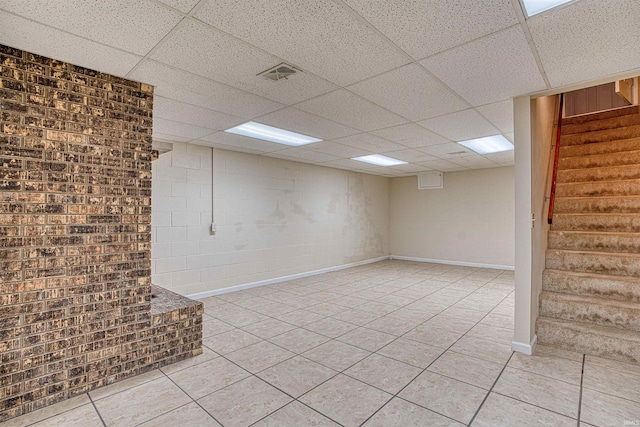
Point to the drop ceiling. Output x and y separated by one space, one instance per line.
407 79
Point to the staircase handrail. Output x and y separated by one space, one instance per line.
552 195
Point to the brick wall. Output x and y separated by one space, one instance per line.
75 231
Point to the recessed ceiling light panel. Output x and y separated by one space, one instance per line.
379 160
488 144
533 7
273 134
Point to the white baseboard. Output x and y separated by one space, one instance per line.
215 292
461 263
525 348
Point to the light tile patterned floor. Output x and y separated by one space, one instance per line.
388 344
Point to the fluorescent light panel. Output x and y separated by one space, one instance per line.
534 7
488 144
273 134
379 160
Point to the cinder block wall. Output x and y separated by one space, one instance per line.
75 230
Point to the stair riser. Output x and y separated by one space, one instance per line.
603 124
600 136
619 204
599 174
613 264
603 287
599 160
603 315
587 342
568 222
622 243
601 115
597 189
608 147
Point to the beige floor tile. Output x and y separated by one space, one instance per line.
215 326
300 317
206 355
297 376
141 403
274 309
450 323
620 383
367 339
502 411
350 301
550 366
464 313
336 355
397 300
369 294
259 356
330 327
295 414
433 336
544 392
445 396
83 416
558 352
227 342
492 333
384 373
393 325
412 352
356 317
594 361
244 402
268 328
378 308
47 411
417 316
400 413
114 388
498 320
602 409
345 400
468 369
299 340
327 309
190 415
208 377
482 349
241 317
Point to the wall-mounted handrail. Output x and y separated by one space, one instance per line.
552 196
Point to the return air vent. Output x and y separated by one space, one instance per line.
430 180
281 71
457 152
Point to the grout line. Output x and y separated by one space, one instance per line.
584 356
192 400
490 390
96 409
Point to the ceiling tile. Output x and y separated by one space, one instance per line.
305 123
426 27
242 142
351 110
410 92
42 40
500 114
410 155
307 155
370 143
335 149
411 135
226 147
320 36
184 130
410 167
510 136
169 138
447 151
587 40
501 157
134 26
493 68
442 166
182 5
192 89
345 164
191 114
474 161
202 50
460 126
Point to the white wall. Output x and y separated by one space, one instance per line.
470 220
274 218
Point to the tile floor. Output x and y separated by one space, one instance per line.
388 344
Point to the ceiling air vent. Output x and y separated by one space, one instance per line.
457 152
281 71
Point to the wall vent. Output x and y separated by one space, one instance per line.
279 72
430 180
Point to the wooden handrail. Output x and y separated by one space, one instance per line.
552 196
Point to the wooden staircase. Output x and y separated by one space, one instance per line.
590 300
